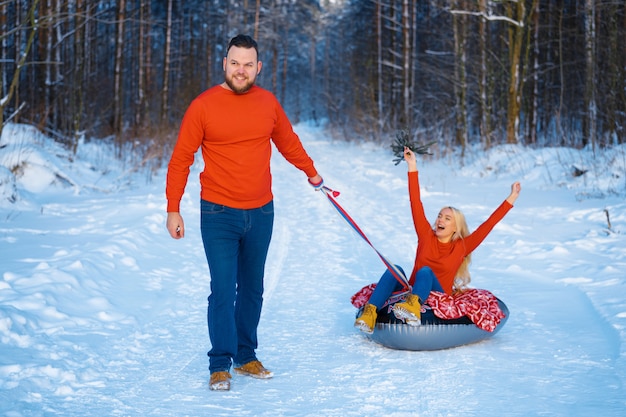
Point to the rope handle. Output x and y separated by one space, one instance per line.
395 271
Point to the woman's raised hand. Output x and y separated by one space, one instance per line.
516 187
411 160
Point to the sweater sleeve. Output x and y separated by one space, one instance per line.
289 145
189 140
477 236
422 227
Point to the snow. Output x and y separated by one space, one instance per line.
102 313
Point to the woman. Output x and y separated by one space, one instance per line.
443 254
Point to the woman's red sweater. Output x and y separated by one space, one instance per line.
444 258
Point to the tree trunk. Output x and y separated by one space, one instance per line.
58 78
460 78
379 66
483 87
166 65
19 64
275 66
148 71
257 15
313 75
117 77
516 37
284 75
534 107
4 53
590 133
559 122
78 92
48 35
406 64
141 65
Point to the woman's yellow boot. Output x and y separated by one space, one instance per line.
410 310
367 320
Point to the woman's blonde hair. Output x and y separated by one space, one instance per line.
462 277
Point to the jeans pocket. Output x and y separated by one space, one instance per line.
268 208
206 207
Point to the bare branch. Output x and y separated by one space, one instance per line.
489 16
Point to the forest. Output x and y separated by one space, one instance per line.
459 72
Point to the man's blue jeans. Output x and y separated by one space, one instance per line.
236 242
425 282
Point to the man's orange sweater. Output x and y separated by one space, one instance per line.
234 131
444 258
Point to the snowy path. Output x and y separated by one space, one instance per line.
103 314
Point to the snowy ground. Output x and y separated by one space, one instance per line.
102 313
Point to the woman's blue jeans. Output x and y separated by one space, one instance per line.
236 242
425 282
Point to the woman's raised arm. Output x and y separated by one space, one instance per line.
516 187
411 161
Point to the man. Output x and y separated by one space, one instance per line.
233 123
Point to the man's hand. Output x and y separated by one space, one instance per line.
175 225
316 182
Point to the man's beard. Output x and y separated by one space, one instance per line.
239 90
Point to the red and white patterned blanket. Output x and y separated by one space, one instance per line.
480 306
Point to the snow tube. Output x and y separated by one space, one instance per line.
433 334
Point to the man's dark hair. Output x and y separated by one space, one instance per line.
243 41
